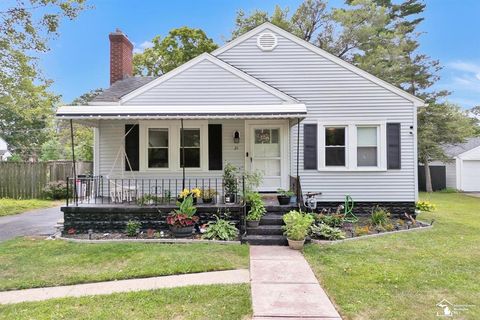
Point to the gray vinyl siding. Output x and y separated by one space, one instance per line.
332 92
205 84
451 174
110 139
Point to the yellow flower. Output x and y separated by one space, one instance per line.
196 192
184 193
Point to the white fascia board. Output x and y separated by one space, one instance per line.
465 154
267 25
194 112
216 61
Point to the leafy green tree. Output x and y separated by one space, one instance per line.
58 146
178 47
26 104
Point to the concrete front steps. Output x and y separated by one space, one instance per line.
269 232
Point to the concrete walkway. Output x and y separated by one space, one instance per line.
36 222
284 287
108 287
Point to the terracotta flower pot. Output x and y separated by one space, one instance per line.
253 223
296 244
182 232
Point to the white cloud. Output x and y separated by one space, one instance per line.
463 79
144 45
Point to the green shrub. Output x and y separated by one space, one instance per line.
332 220
380 216
132 227
257 207
220 230
297 224
323 231
425 206
285 193
55 190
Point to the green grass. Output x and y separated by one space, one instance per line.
14 206
200 302
403 276
29 263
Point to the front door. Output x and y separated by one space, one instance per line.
267 154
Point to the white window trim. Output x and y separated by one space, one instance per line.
351 145
173 144
203 126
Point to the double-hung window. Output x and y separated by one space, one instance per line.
367 146
352 145
190 142
158 148
335 146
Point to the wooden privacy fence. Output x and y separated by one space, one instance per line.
26 180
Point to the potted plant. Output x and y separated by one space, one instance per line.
230 183
182 220
256 211
297 225
284 196
208 195
195 193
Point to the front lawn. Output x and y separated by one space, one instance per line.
404 276
197 302
14 206
30 263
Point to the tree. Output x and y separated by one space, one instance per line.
178 47
58 145
25 113
25 29
26 104
441 124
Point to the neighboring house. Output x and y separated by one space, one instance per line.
245 103
4 154
463 171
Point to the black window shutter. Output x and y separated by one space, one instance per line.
310 152
215 161
132 147
393 146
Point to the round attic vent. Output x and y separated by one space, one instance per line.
267 41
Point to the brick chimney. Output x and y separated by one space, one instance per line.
121 54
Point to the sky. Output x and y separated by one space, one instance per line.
78 60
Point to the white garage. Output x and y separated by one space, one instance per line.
470 179
463 173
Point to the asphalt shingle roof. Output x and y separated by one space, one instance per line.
455 150
121 88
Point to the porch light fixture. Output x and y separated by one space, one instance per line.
236 137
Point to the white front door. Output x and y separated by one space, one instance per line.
268 154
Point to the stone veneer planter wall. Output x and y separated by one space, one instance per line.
115 218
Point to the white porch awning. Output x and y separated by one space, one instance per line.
108 112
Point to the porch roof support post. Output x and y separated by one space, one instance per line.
72 142
182 142
298 155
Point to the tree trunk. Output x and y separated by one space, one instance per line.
428 177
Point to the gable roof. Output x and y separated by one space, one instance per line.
267 25
458 149
221 64
120 88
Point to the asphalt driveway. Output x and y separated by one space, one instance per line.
36 222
